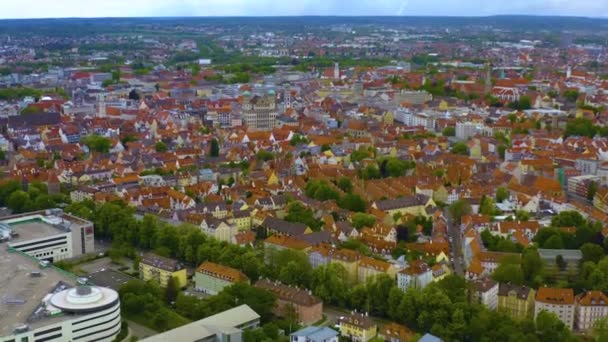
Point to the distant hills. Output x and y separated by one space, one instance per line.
81 26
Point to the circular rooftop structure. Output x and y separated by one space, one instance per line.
84 299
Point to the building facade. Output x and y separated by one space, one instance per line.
516 301
50 235
212 278
557 301
590 306
160 269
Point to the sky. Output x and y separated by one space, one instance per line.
11 9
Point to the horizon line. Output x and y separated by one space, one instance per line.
316 16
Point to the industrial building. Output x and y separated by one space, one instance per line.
42 303
50 235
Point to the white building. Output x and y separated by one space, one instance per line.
48 234
558 301
42 304
416 275
465 130
486 292
590 306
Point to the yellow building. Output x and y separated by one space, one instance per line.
241 219
160 269
350 260
358 327
370 267
516 301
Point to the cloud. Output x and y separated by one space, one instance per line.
142 8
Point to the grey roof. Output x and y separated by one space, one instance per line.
568 254
403 202
285 227
223 322
316 238
430 338
316 334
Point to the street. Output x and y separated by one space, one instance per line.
455 244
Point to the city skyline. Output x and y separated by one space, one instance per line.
177 8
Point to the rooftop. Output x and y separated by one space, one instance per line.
40 224
207 327
22 292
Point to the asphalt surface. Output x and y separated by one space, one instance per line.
455 244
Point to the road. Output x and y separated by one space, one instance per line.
456 244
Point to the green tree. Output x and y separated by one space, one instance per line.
591 190
345 184
460 148
171 291
509 273
19 201
97 143
502 194
330 283
449 131
160 147
360 220
592 252
459 209
297 212
571 95
532 266
352 202
215 148
554 242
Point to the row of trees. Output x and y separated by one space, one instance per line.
322 190
36 197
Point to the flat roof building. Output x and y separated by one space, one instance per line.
224 326
42 303
50 235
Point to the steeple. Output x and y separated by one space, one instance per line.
102 106
488 81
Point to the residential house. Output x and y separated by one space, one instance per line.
314 334
308 308
358 327
590 306
415 205
516 301
160 269
486 292
393 332
416 275
221 230
212 278
369 268
275 226
349 259
558 301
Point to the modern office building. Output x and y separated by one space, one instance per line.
224 326
50 235
42 304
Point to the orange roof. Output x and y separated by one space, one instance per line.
375 264
223 272
592 298
551 295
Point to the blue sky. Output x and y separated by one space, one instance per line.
143 8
